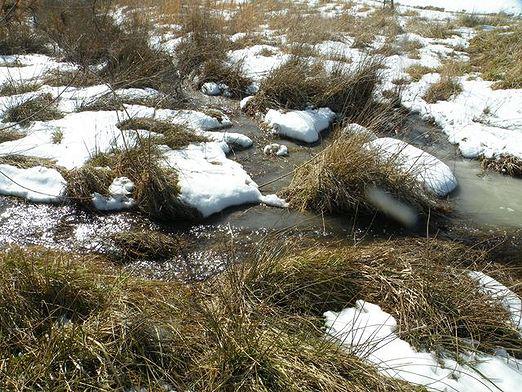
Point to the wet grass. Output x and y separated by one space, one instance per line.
504 164
148 245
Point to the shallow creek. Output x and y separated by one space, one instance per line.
482 201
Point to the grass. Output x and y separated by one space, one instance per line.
496 54
417 71
156 186
505 164
148 245
298 84
443 90
173 135
8 135
72 321
60 78
342 176
39 108
25 162
14 88
430 29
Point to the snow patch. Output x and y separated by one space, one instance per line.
279 150
119 196
304 125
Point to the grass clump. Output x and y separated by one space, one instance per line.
174 135
13 88
417 71
156 186
496 54
148 245
431 29
505 164
71 321
299 84
39 108
443 90
26 162
340 178
8 135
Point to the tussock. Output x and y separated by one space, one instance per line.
298 84
174 136
505 164
416 71
25 162
14 88
443 90
148 245
39 108
339 178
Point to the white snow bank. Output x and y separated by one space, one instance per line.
37 184
432 173
304 125
509 300
119 196
483 6
371 334
274 201
211 89
209 181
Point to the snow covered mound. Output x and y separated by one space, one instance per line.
484 6
304 125
371 334
119 196
38 184
434 174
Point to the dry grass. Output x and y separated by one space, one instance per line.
14 88
298 84
430 29
174 136
39 108
25 162
72 321
416 71
454 68
505 164
496 54
148 245
156 186
443 90
60 78
341 177
8 135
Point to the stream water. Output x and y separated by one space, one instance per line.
483 201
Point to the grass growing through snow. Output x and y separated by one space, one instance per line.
39 108
443 90
70 321
496 54
173 135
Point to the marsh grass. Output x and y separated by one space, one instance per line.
39 108
174 135
299 84
443 90
496 54
505 164
148 245
339 179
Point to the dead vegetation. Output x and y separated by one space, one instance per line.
148 245
431 29
38 108
417 71
71 320
173 135
443 90
340 178
299 84
505 164
496 54
15 88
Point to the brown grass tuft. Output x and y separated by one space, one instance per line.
39 108
443 90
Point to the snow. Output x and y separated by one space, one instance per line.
211 89
509 300
371 334
303 125
36 184
279 150
209 181
432 173
474 6
119 196
274 201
